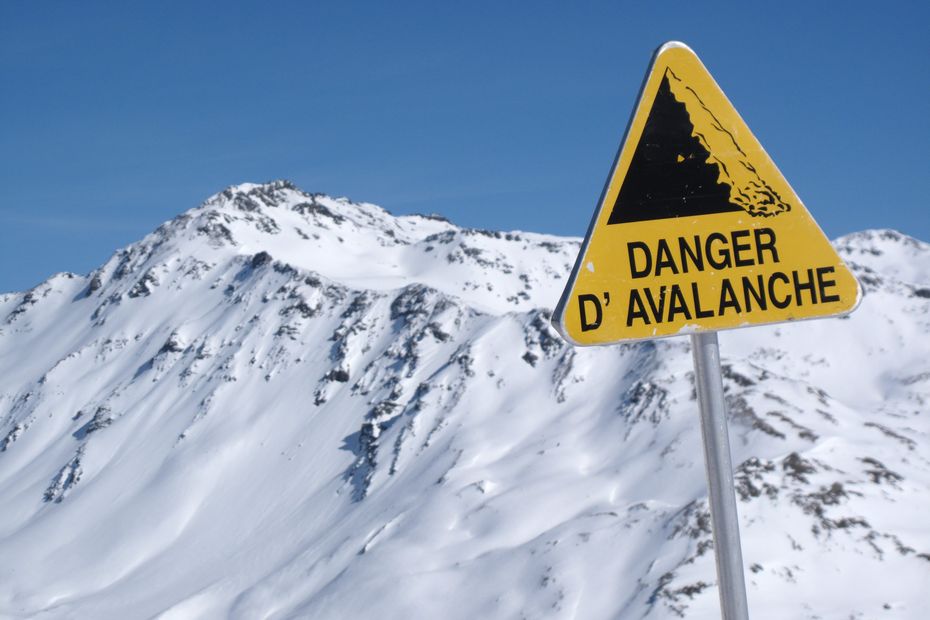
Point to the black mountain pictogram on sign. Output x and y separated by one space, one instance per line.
669 175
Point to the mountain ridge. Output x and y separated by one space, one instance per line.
346 425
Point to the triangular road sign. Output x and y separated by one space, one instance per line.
696 229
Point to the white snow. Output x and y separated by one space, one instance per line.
287 405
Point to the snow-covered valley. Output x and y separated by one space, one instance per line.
281 404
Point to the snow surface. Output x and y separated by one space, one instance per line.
281 404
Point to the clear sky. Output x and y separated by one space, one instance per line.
120 115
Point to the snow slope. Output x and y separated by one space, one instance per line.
281 404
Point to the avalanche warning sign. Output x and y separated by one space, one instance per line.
696 229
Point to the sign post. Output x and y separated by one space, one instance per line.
697 231
723 516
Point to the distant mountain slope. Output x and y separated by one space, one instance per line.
281 404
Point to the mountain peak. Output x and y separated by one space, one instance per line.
268 201
357 245
886 258
268 195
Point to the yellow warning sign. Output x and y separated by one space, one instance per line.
696 229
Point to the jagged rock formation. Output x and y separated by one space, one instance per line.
284 404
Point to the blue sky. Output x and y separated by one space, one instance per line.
120 115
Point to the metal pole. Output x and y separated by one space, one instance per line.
709 383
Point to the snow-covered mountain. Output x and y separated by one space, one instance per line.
281 404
